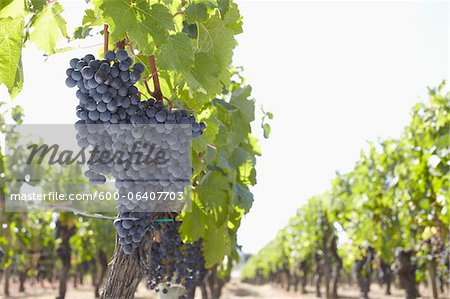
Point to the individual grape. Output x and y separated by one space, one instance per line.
105 116
91 84
91 105
76 75
135 77
127 249
102 89
135 99
96 96
121 55
114 72
100 77
150 113
106 97
114 119
71 82
195 127
101 107
110 55
83 115
138 67
124 76
87 72
112 105
73 62
116 83
161 116
132 90
126 102
104 67
124 66
123 91
94 115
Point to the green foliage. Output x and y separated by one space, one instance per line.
192 42
49 28
21 21
10 53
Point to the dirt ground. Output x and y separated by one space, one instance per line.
234 290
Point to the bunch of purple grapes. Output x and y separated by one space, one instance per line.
106 87
174 263
107 96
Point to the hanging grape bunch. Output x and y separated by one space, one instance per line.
173 263
108 98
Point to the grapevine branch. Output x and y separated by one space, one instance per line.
157 92
105 38
181 12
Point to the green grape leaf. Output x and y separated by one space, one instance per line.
11 31
204 75
196 12
214 195
49 28
233 19
216 245
143 23
209 135
239 157
217 40
177 53
92 18
242 197
194 223
224 105
246 107
223 6
162 15
12 8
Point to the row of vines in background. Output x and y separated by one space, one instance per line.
390 214
187 46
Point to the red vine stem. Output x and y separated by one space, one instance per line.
120 44
157 92
105 38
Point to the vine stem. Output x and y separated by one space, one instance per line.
181 12
105 37
157 92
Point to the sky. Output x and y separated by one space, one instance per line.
335 75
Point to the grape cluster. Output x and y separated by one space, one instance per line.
114 118
131 228
106 87
172 262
